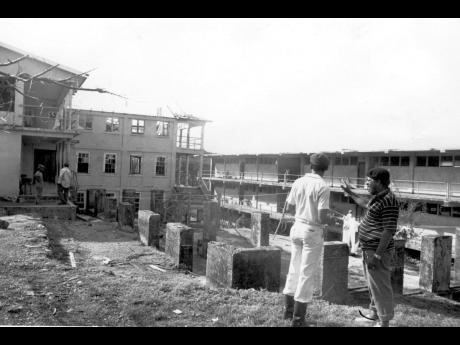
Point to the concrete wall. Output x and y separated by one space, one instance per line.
10 163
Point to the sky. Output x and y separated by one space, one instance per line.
269 85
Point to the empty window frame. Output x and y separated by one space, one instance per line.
405 161
110 163
447 161
135 164
162 128
421 161
394 161
83 162
160 168
384 160
85 121
137 126
80 201
433 161
457 161
112 124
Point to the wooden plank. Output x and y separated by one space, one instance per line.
73 263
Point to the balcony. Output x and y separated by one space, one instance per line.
190 143
432 190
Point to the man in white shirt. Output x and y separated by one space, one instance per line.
63 183
310 196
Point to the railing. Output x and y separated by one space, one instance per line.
42 117
191 143
432 188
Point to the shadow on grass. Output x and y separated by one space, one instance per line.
430 302
57 250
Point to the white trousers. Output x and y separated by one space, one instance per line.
306 248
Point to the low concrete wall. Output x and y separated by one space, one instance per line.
435 263
331 282
149 228
125 214
44 211
243 268
179 244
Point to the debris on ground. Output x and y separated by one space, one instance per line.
4 224
157 268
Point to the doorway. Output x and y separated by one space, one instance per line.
48 159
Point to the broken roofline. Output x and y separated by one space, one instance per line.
149 116
46 61
344 152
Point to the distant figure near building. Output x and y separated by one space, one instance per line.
63 184
38 182
350 229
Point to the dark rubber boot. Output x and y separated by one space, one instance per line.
298 319
288 307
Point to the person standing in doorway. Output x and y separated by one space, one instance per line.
63 184
308 200
38 182
375 234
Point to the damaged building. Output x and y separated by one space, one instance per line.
429 179
129 156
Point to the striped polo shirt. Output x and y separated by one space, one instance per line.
382 213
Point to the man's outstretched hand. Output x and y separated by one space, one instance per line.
346 186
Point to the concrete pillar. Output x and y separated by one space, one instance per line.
243 268
125 214
332 277
211 224
179 244
187 170
149 228
457 257
435 262
110 208
397 276
260 229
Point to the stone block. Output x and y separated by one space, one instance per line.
260 229
435 263
457 257
397 275
179 244
4 224
149 228
211 224
125 214
211 220
243 268
110 208
331 280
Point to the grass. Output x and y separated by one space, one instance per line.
125 295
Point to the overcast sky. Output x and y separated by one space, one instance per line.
269 85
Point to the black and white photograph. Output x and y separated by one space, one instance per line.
230 172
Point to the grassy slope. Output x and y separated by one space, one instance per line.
131 294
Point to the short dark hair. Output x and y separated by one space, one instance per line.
319 161
380 174
66 164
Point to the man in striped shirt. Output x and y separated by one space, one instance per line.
375 234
